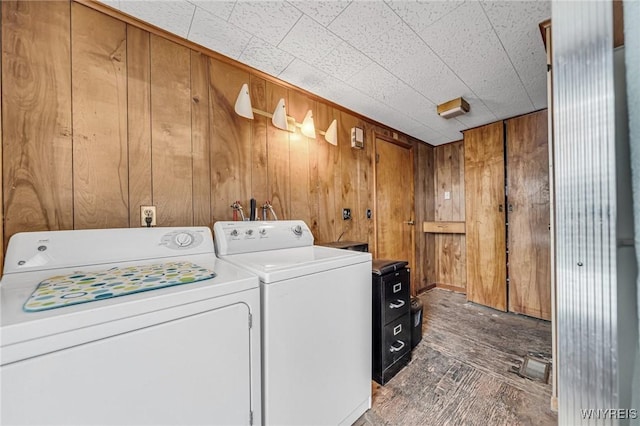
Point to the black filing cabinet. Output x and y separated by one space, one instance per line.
391 318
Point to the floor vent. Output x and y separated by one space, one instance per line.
534 368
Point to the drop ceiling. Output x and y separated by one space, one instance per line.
392 61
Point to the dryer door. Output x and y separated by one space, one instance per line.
191 370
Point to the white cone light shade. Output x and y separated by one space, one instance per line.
279 118
243 103
307 128
331 135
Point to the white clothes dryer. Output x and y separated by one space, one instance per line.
127 326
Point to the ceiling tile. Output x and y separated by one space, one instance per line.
217 34
303 75
342 93
265 57
220 8
386 88
269 20
322 11
419 14
370 107
342 62
113 3
516 24
398 120
363 21
466 41
380 84
309 40
478 113
174 16
435 141
406 55
427 134
440 124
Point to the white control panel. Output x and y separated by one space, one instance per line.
249 236
181 239
34 251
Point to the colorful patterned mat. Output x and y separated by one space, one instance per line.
83 287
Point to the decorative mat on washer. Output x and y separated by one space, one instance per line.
83 287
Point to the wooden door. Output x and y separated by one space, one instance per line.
394 218
485 215
528 215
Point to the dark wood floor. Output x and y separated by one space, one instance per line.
461 371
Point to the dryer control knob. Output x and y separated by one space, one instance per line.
249 232
183 239
297 230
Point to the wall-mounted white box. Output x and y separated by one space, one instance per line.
357 138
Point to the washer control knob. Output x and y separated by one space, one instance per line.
249 232
234 233
297 230
263 232
183 239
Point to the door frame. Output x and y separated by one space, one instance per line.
378 136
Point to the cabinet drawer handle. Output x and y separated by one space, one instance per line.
399 304
398 348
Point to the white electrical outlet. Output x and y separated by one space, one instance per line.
447 195
147 212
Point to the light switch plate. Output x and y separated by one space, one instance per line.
447 195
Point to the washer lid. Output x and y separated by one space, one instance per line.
277 265
19 326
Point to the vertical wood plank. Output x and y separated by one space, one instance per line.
171 132
350 163
314 145
36 110
259 153
278 158
231 141
529 235
303 185
444 211
328 170
451 268
460 182
366 188
100 147
139 121
485 223
424 269
200 140
456 186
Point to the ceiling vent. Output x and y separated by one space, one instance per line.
453 108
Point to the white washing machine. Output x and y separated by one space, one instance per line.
316 321
127 326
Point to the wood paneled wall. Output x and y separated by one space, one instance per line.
450 265
100 117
